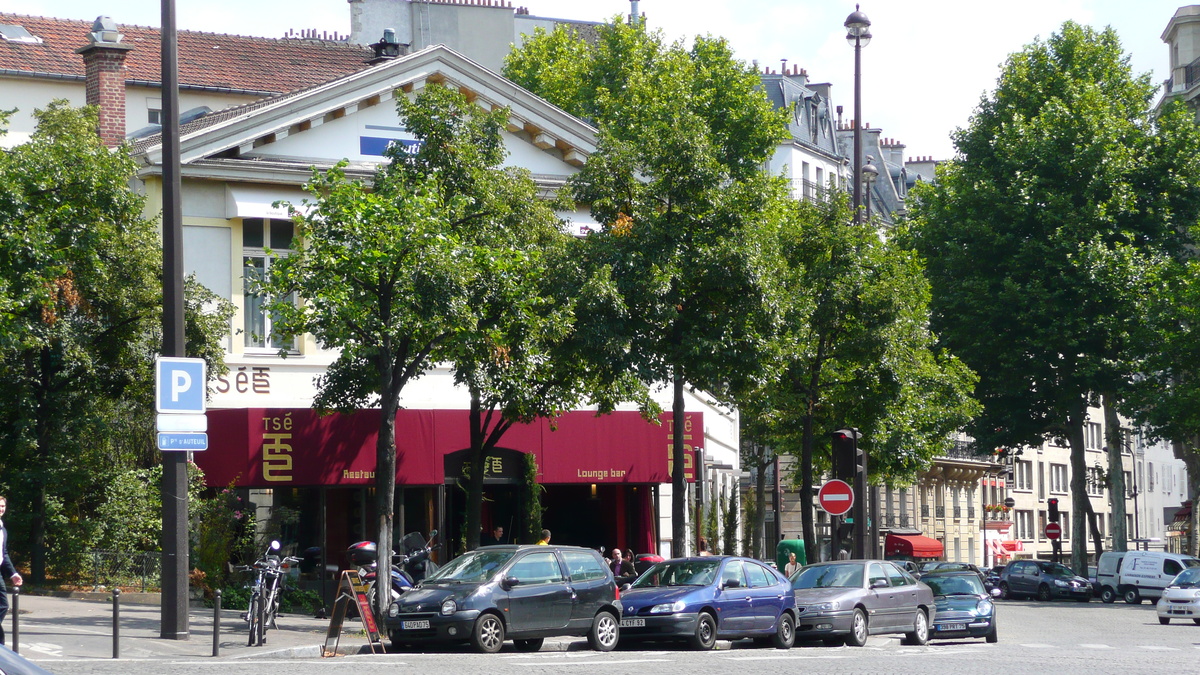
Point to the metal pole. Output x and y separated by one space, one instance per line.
116 623
857 121
174 480
217 622
16 611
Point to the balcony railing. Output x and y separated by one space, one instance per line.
958 512
940 512
924 510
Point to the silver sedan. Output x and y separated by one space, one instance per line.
848 600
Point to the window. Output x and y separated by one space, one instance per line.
1129 525
1064 520
1041 473
1024 477
537 568
896 577
733 572
1171 567
1150 476
1093 438
582 566
876 573
258 235
758 576
1024 524
1058 478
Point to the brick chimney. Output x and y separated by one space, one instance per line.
104 61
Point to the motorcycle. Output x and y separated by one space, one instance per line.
264 592
407 569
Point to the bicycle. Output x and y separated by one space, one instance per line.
264 593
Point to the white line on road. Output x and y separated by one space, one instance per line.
1159 648
1092 646
556 664
1037 646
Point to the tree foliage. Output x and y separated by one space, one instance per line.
1039 238
676 181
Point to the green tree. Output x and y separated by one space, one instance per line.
1037 238
676 180
856 352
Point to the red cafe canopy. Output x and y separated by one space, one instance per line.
912 545
263 447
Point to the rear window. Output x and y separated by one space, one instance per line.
583 566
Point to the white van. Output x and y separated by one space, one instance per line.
1134 575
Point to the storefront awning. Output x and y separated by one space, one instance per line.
913 545
258 202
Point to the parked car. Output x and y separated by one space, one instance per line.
964 606
849 600
524 593
1092 573
1134 575
1044 580
702 599
644 561
992 575
1181 598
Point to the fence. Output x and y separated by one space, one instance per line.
127 569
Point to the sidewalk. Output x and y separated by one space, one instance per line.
79 628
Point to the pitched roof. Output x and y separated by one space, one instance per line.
206 60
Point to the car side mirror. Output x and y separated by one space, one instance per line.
507 583
732 583
995 592
879 583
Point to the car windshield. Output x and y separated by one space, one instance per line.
1189 578
1057 570
679 573
473 566
829 576
958 584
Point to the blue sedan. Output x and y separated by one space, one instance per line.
705 598
964 609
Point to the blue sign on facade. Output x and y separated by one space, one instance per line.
182 441
180 385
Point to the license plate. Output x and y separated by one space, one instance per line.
633 623
952 626
413 625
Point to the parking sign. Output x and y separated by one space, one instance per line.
180 385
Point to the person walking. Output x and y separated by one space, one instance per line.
7 571
790 568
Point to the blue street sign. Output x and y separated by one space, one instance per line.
179 385
182 441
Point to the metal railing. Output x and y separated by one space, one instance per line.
129 569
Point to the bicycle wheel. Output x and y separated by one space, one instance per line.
253 613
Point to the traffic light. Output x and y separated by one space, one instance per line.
1052 505
848 460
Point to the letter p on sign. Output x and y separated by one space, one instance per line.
179 385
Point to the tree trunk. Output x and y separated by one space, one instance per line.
1094 529
385 495
760 507
475 480
811 548
1114 442
678 479
1079 497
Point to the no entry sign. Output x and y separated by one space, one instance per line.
836 497
1053 530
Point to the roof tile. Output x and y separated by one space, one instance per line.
208 60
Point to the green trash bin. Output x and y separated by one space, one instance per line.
787 546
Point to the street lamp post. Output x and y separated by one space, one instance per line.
858 35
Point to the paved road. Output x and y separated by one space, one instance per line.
1062 637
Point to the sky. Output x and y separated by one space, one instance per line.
923 74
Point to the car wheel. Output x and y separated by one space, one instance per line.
604 633
920 632
488 635
1005 593
785 632
1108 595
858 629
1043 593
706 632
1164 620
1132 597
993 635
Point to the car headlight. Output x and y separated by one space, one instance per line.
1060 582
394 609
449 607
984 607
824 607
667 608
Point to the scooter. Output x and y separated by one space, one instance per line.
407 569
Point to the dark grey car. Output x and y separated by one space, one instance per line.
523 593
1044 580
849 600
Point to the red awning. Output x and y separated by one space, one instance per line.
1012 544
914 545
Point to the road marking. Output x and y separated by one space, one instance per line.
1092 646
1160 648
43 647
1037 646
595 663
